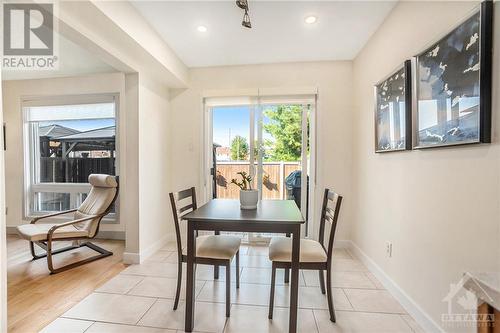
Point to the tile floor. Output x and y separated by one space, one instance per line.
140 299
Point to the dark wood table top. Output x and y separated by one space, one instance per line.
271 211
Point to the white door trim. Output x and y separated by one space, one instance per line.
3 237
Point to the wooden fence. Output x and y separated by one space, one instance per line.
73 169
273 182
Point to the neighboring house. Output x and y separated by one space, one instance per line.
223 153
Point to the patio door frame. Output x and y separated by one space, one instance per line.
256 104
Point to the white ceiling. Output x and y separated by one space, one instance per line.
278 34
73 61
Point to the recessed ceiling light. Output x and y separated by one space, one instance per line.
202 28
311 19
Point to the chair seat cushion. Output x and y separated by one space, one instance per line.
39 232
280 249
216 246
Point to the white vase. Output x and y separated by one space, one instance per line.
249 199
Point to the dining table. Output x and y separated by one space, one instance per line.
219 215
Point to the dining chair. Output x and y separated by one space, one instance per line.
83 227
313 254
216 250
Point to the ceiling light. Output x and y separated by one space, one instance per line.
202 28
311 19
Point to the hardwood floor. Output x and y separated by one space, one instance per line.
36 298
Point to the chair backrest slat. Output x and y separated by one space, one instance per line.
183 194
329 213
178 211
183 209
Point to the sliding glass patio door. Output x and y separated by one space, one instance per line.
268 140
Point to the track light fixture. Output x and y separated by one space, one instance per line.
243 4
246 20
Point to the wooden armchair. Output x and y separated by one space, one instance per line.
84 226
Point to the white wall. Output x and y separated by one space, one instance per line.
439 207
156 227
13 93
334 83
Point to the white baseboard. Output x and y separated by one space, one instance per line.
342 244
131 258
153 248
421 317
137 258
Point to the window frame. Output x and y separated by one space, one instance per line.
30 186
255 102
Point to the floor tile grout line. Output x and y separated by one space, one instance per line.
137 326
227 318
251 305
89 327
315 321
287 285
347 297
149 308
407 323
135 285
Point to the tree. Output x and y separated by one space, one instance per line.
239 148
285 126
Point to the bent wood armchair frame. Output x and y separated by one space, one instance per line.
47 245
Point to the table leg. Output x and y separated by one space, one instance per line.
287 271
190 283
294 287
216 267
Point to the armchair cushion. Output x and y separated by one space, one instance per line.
280 249
38 232
97 202
101 180
216 246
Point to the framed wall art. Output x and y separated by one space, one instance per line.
393 111
452 87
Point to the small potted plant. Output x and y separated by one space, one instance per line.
248 196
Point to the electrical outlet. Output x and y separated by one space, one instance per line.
388 249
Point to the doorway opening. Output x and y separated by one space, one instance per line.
271 141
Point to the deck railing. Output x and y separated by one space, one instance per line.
273 180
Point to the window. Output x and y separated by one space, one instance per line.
65 140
